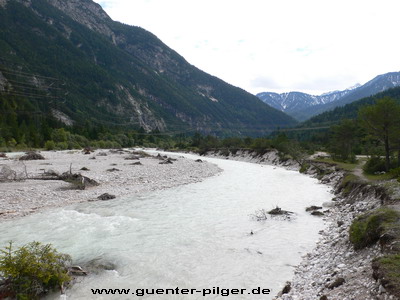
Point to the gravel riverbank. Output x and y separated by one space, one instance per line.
333 270
117 172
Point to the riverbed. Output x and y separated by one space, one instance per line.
196 236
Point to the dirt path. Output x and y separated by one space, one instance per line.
358 171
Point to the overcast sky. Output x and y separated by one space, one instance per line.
312 46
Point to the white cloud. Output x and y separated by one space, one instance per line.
310 45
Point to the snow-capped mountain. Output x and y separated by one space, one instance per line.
295 101
303 106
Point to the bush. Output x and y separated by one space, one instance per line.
50 145
74 145
374 164
12 143
260 145
304 168
368 228
395 172
62 146
34 269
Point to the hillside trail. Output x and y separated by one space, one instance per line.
359 172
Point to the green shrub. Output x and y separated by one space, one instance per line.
62 146
395 172
260 145
74 145
374 164
12 143
304 168
50 145
368 228
33 269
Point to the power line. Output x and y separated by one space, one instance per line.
29 95
28 75
167 133
35 89
23 112
113 123
304 129
15 83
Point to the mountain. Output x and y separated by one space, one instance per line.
303 106
70 60
349 111
293 102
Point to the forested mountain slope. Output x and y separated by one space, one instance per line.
67 60
349 111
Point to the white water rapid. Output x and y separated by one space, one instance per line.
191 237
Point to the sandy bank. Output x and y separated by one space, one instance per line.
115 173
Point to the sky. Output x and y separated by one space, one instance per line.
311 46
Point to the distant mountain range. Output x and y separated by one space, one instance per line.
88 69
348 111
303 106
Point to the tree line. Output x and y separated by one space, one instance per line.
375 132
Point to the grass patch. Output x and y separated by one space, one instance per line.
349 182
392 187
349 178
368 228
304 168
387 268
378 177
339 164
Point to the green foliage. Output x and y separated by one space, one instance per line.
50 145
304 168
349 111
97 81
382 121
374 165
260 145
62 146
387 268
395 173
368 228
34 269
289 148
60 135
348 183
12 143
345 137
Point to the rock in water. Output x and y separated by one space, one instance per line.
279 211
106 196
287 288
77 271
313 208
317 213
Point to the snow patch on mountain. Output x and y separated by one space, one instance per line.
302 106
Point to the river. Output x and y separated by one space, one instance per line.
195 236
